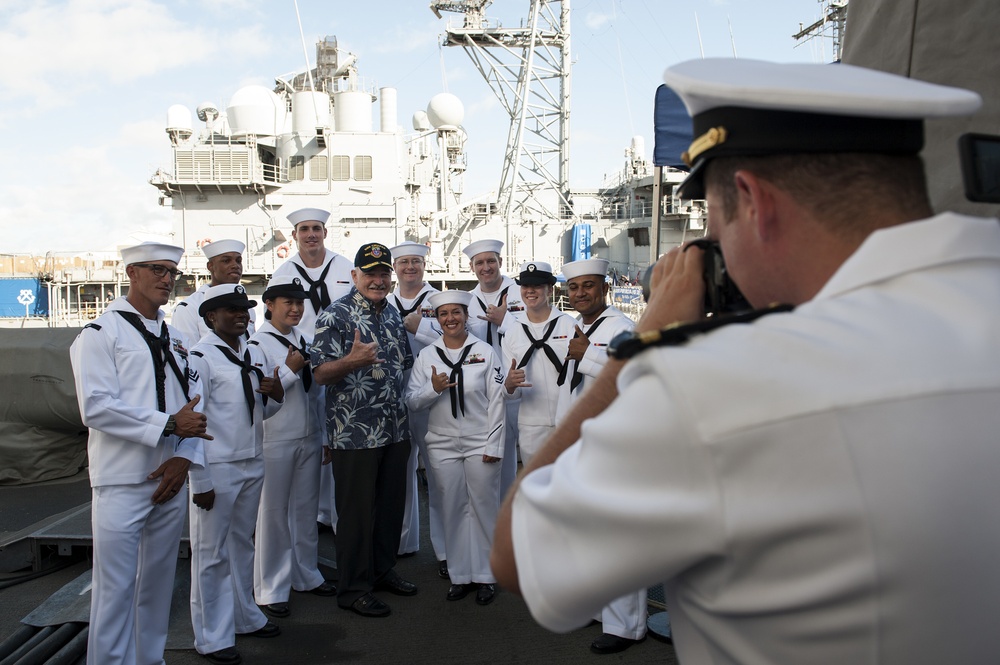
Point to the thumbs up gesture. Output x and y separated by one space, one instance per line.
516 378
190 423
578 345
363 353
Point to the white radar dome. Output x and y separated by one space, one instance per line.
420 121
179 119
445 110
256 110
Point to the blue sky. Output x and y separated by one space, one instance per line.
86 85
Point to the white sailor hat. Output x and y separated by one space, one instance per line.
213 249
308 215
151 251
225 295
749 107
535 273
409 248
286 286
480 246
449 297
582 267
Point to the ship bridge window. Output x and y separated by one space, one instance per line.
363 167
340 167
317 167
296 168
639 235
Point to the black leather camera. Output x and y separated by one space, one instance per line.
721 294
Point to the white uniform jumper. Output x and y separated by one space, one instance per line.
286 541
427 333
816 487
492 335
327 283
135 542
540 349
464 423
222 602
185 318
625 616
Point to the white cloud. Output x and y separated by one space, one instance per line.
595 20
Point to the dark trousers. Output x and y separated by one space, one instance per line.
370 494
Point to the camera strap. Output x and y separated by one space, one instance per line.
628 344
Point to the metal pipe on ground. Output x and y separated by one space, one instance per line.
75 651
12 643
32 642
61 637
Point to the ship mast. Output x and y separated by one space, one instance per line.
528 69
831 25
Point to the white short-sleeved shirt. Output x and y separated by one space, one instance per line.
816 487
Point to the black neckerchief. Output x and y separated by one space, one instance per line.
159 349
456 392
319 294
549 352
489 324
404 311
577 374
307 376
246 368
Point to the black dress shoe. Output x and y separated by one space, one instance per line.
443 570
395 584
276 610
486 594
227 656
324 589
607 643
320 527
406 555
459 591
267 630
369 605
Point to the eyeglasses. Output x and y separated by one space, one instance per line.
159 271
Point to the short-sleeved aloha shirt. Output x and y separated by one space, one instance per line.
365 409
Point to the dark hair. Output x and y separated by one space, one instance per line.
838 188
465 308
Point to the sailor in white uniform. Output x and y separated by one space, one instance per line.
496 306
225 265
460 379
138 397
327 276
623 620
410 300
818 485
534 355
286 542
240 390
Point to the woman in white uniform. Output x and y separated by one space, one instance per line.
240 390
460 379
534 355
287 542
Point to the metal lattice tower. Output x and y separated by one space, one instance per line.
832 24
528 68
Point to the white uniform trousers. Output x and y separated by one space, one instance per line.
410 538
508 465
470 500
222 603
135 558
625 616
531 438
287 543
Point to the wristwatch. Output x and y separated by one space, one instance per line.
171 425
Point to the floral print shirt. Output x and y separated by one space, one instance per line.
365 409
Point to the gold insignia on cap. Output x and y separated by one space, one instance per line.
713 137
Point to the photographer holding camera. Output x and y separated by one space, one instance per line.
818 485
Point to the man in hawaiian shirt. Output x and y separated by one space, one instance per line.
361 352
